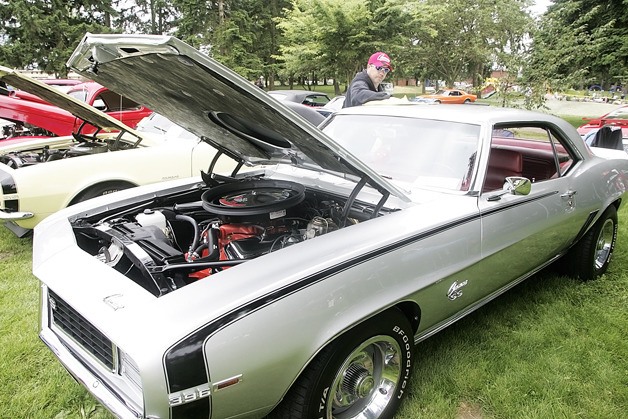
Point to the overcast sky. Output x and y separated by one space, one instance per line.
540 6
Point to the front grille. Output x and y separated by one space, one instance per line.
79 329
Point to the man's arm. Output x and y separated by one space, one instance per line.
360 94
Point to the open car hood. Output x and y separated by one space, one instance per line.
55 97
213 102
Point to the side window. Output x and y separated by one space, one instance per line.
532 152
115 102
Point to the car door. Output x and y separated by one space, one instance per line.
521 233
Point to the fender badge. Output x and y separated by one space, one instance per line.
455 290
114 301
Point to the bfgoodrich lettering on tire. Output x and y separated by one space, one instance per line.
363 373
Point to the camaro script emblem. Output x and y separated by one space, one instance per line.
455 290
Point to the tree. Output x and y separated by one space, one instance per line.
44 33
582 42
330 38
456 39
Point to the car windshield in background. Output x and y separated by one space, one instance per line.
79 94
420 152
621 113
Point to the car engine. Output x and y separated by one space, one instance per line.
19 129
165 247
18 159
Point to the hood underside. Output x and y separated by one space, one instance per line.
208 99
62 100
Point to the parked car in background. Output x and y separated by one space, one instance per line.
42 175
334 105
32 116
304 97
388 87
617 118
300 287
451 96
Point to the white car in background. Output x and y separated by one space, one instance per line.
42 175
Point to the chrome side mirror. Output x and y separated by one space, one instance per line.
517 185
514 185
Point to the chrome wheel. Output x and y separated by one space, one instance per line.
604 244
366 381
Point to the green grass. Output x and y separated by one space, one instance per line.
34 384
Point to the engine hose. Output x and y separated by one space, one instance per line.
212 245
196 233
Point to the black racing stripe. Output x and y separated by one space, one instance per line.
184 362
7 182
196 409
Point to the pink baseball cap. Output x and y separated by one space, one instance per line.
380 59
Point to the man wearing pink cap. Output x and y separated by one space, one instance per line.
367 84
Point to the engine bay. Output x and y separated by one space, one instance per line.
187 237
81 147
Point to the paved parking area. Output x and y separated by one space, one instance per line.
588 109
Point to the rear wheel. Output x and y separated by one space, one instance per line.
467 101
362 374
591 256
100 190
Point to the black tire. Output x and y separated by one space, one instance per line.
345 379
591 256
467 101
100 190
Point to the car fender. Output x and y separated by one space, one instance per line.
346 288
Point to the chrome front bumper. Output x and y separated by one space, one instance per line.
84 375
12 216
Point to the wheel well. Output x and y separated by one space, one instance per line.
122 184
412 311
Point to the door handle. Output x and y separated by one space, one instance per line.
569 194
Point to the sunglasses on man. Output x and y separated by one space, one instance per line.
382 68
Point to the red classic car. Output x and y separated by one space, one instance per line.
618 117
30 116
451 96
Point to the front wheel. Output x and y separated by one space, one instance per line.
591 256
362 374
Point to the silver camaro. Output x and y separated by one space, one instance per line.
297 285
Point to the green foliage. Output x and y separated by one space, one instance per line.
44 33
582 42
326 37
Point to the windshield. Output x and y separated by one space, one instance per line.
79 94
421 152
621 113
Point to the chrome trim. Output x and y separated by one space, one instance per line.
223 384
20 215
189 395
107 396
